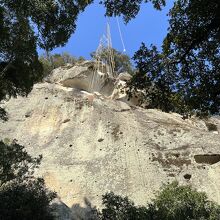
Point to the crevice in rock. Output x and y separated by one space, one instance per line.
207 158
187 176
66 120
211 126
100 139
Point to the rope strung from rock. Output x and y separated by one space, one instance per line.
121 36
110 50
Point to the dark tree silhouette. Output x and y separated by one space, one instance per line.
22 196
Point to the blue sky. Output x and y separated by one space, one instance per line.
150 27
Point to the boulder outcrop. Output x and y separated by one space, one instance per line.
83 77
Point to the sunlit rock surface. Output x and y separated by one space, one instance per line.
93 143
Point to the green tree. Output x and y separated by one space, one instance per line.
54 61
173 202
128 9
81 59
192 47
16 164
46 65
67 58
21 195
122 62
190 56
24 26
176 202
153 79
121 208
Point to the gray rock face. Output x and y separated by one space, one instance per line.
124 76
83 77
92 144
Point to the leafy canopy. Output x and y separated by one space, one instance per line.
117 207
186 73
173 202
15 163
183 202
57 60
153 79
192 50
24 26
128 9
22 196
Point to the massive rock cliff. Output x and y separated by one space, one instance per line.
93 141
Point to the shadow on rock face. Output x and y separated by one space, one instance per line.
87 213
76 212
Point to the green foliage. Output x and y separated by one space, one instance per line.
54 61
152 79
27 200
117 207
21 195
81 59
122 62
26 25
129 9
174 202
15 162
192 47
46 64
185 76
182 202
